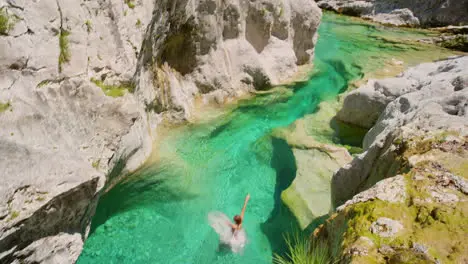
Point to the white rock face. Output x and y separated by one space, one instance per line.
62 138
229 48
429 98
403 12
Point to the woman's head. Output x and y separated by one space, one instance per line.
238 219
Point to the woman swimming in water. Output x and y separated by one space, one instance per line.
239 218
231 235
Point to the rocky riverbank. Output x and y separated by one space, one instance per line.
403 13
83 85
449 17
405 198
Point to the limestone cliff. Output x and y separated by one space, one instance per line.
83 85
402 12
404 200
221 49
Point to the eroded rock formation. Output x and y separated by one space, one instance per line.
220 49
83 84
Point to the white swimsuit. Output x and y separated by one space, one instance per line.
220 223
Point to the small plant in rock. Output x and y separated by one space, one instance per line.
115 90
130 3
96 163
14 214
43 83
88 25
6 22
64 48
138 23
4 106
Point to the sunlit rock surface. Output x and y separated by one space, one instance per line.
399 199
83 85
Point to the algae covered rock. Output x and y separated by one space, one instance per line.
404 200
418 227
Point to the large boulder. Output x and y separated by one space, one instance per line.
431 97
411 183
402 12
83 85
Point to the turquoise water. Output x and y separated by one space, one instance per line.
159 215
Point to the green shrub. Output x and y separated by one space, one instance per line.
138 23
4 106
303 250
130 3
88 25
115 90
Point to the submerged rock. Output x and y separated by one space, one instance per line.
403 13
83 85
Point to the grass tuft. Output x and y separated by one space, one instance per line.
64 48
96 163
6 22
115 90
138 23
303 250
88 25
4 106
130 3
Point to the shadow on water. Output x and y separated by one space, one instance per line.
281 220
142 189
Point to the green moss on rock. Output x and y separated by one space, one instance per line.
7 22
4 106
115 90
459 42
64 55
434 229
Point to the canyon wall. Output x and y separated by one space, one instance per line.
84 84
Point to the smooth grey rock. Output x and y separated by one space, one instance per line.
425 100
391 190
386 227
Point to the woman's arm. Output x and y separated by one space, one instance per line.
245 205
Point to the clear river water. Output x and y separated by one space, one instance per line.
159 214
